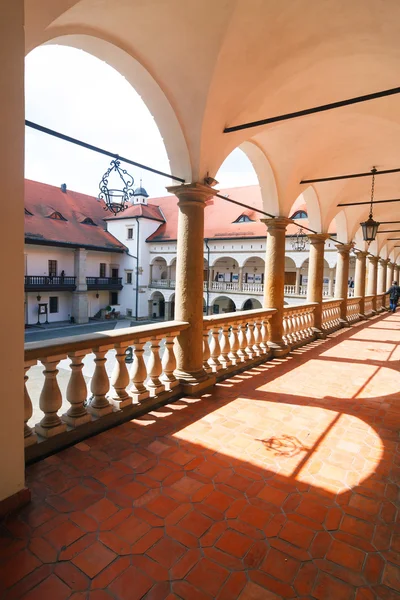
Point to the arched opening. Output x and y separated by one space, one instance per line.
157 306
223 304
158 271
251 304
328 280
290 273
253 273
224 274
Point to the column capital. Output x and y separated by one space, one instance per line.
318 238
344 248
383 261
360 254
373 259
192 192
276 223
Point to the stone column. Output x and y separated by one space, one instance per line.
372 279
151 274
169 273
168 311
396 273
189 285
359 280
316 277
80 305
274 281
382 268
13 492
240 278
342 278
389 274
297 283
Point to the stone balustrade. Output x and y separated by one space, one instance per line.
235 340
381 302
115 398
369 306
298 323
331 315
353 309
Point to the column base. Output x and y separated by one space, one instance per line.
100 412
190 388
319 333
344 323
278 349
30 440
48 432
14 502
76 421
157 390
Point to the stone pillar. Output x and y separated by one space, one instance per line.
372 279
342 278
169 273
330 285
80 305
240 278
168 311
189 285
396 273
316 277
359 280
297 284
274 281
12 53
151 274
382 268
389 274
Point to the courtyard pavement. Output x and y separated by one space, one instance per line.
281 482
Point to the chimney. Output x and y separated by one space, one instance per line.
64 188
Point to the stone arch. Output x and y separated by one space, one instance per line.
251 304
159 269
156 305
224 304
311 200
141 80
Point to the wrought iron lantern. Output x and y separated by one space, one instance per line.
299 241
116 194
370 227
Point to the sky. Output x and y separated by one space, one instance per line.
77 94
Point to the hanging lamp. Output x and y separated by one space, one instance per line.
370 227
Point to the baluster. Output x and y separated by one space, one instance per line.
120 378
234 345
242 343
169 363
138 374
100 384
50 400
215 349
225 347
250 341
76 392
154 369
285 328
257 338
206 350
263 337
29 436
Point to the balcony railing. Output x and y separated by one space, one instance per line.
104 283
298 322
47 283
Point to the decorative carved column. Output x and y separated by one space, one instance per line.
274 281
359 281
316 277
189 285
342 279
372 279
382 269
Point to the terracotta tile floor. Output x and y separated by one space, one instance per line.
281 483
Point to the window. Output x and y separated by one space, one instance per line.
299 214
129 312
52 268
129 277
103 267
57 216
130 233
53 302
113 298
89 221
243 219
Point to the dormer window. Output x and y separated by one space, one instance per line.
57 216
243 219
299 214
89 221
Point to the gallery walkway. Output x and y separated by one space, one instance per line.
280 483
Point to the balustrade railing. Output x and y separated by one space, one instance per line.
368 306
289 290
381 302
232 340
298 322
117 393
331 315
353 309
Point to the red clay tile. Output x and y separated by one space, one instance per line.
272 495
44 551
72 576
296 534
64 535
17 567
391 577
280 565
94 559
161 506
52 587
166 552
346 555
132 529
195 523
328 588
132 584
102 510
234 543
208 576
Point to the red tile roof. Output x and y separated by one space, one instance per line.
150 211
220 216
42 200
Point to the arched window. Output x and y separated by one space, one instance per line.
57 216
299 214
243 219
88 221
